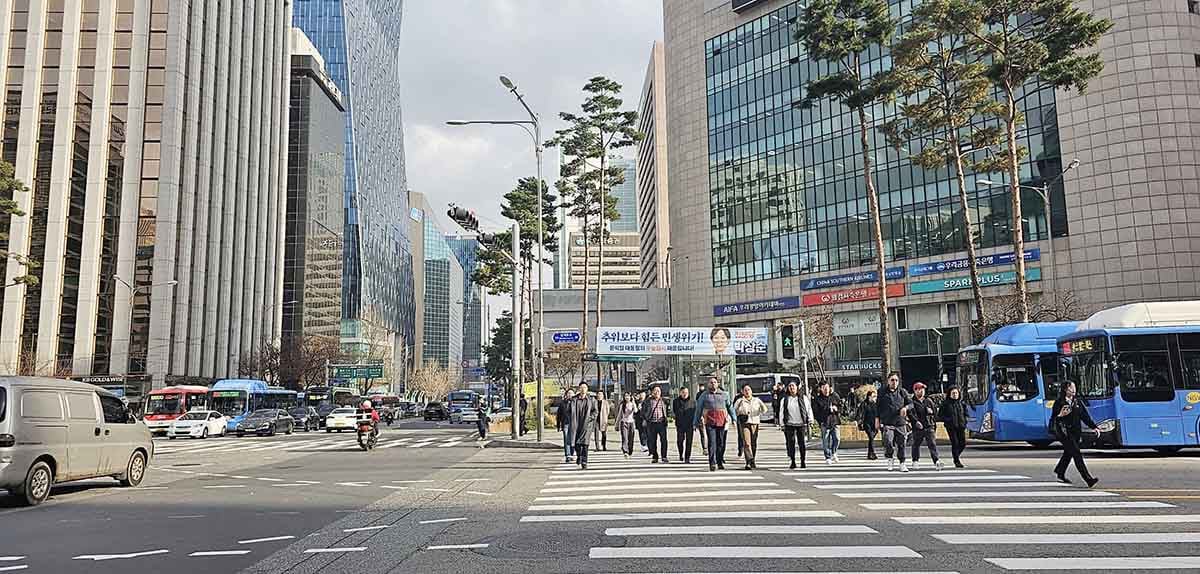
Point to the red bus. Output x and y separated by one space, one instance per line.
169 403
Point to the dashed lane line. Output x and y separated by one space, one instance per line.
476 492
366 528
269 539
457 547
103 557
13 568
334 550
203 553
441 520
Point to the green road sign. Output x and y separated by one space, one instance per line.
356 371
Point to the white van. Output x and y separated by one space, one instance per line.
53 430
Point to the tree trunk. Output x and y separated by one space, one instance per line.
587 271
877 241
968 230
603 238
1014 187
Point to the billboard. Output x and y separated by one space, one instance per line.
985 280
891 273
722 341
851 295
919 269
779 304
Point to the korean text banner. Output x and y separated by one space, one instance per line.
723 341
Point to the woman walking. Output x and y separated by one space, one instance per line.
1066 421
749 409
625 422
953 414
600 435
793 417
868 413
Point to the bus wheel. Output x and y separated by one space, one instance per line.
1040 443
1168 449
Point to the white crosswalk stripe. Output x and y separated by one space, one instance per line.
298 444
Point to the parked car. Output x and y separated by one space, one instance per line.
53 431
501 413
436 411
306 418
266 422
323 412
198 424
466 416
341 419
413 410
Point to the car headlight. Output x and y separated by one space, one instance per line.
1107 425
989 423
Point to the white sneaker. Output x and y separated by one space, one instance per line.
938 465
891 464
903 467
835 458
913 465
829 461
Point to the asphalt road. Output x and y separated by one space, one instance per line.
431 502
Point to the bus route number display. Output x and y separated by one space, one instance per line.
970 357
1083 346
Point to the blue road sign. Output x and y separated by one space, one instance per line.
567 337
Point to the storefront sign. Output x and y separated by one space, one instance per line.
870 365
779 304
890 273
850 295
724 341
961 264
985 280
856 323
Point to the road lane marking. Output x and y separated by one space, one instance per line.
11 558
355 484
441 520
239 477
476 492
1009 505
658 486
185 516
471 479
449 444
13 568
1164 497
946 485
733 529
287 485
366 528
643 478
1098 564
225 486
457 547
690 552
270 479
1052 519
102 557
912 478
307 482
395 487
660 495
1086 538
589 474
814 470
219 553
270 539
437 489
411 481
698 503
954 494
334 550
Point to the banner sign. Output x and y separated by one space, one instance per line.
964 264
985 280
851 295
725 341
779 304
890 273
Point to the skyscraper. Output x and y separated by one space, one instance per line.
443 338
654 218
152 137
466 249
360 41
626 195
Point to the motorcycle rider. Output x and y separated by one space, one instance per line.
369 411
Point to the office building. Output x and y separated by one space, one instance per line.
152 137
443 336
466 249
654 220
360 42
768 209
312 262
626 196
622 262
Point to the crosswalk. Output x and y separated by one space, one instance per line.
319 443
673 517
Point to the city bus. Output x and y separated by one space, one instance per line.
169 403
1010 379
462 399
236 398
336 396
1138 368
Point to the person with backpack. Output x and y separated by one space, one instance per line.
923 419
1067 418
714 409
953 414
868 412
892 420
793 417
826 410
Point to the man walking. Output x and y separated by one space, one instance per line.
521 420
639 420
654 417
581 416
684 408
894 403
600 435
924 425
749 409
826 410
714 409
563 422
778 391
794 420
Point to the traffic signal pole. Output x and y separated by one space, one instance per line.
516 331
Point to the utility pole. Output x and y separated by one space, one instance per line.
517 320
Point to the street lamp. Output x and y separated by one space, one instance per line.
536 134
1043 191
133 291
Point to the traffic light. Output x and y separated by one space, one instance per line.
464 217
787 334
487 239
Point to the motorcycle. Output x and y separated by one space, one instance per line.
367 435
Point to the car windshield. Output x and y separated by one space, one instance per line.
262 413
164 404
194 417
298 412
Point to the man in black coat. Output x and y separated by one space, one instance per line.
684 407
892 420
1066 422
581 418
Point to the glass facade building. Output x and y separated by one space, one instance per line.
360 42
444 281
626 195
466 250
785 182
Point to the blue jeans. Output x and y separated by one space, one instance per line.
830 440
716 445
568 447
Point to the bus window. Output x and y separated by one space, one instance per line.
1087 371
1143 368
165 404
1191 369
1014 377
972 374
229 403
1048 364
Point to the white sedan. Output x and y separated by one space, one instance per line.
345 418
198 424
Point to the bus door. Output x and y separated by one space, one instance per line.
1018 398
973 378
1148 408
1189 394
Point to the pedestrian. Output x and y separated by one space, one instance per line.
794 420
826 410
953 414
600 436
524 408
684 408
749 409
640 421
868 412
581 414
712 408
563 422
625 422
1066 422
654 416
777 393
892 420
481 422
923 420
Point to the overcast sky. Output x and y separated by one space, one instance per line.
452 54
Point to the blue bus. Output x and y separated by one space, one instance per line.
1138 367
1009 381
236 398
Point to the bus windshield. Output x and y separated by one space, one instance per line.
1015 377
164 404
973 375
1087 371
229 403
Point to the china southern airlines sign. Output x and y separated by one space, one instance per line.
739 5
